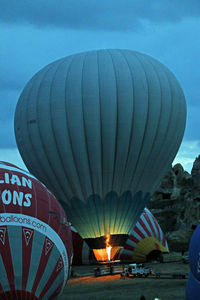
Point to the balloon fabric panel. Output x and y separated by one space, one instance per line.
100 129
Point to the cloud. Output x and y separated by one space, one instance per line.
187 153
26 49
96 15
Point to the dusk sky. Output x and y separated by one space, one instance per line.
35 33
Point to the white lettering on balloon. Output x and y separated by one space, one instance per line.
16 198
15 180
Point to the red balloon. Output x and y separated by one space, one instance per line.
35 238
83 254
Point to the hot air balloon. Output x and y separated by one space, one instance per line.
35 238
82 254
192 288
194 253
146 241
100 129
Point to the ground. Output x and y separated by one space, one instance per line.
87 287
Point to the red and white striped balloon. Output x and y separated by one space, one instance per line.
146 236
83 255
35 238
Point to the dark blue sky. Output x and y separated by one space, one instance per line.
35 33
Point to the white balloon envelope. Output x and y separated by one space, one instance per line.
100 129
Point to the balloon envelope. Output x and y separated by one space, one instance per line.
82 254
192 288
194 253
100 129
146 241
35 238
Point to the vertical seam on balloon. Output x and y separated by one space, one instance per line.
34 189
171 102
87 153
67 123
100 113
168 125
8 255
146 121
53 131
38 130
171 109
150 224
31 143
120 191
36 156
69 133
7 230
158 123
147 224
125 213
26 120
132 122
20 208
116 124
153 229
134 216
116 130
156 228
159 230
49 206
35 196
84 127
141 220
88 205
97 203
55 292
179 114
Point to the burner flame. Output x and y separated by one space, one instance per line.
108 247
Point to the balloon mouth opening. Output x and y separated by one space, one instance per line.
113 240
108 253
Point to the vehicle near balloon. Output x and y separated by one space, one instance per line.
100 129
146 242
35 238
108 269
136 270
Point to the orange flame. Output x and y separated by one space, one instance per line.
106 254
108 247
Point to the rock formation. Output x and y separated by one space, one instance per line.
176 205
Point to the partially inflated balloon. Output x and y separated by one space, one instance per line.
82 254
146 241
100 129
192 288
35 238
194 253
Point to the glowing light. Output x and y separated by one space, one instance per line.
108 247
108 253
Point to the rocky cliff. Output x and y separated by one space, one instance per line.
176 205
